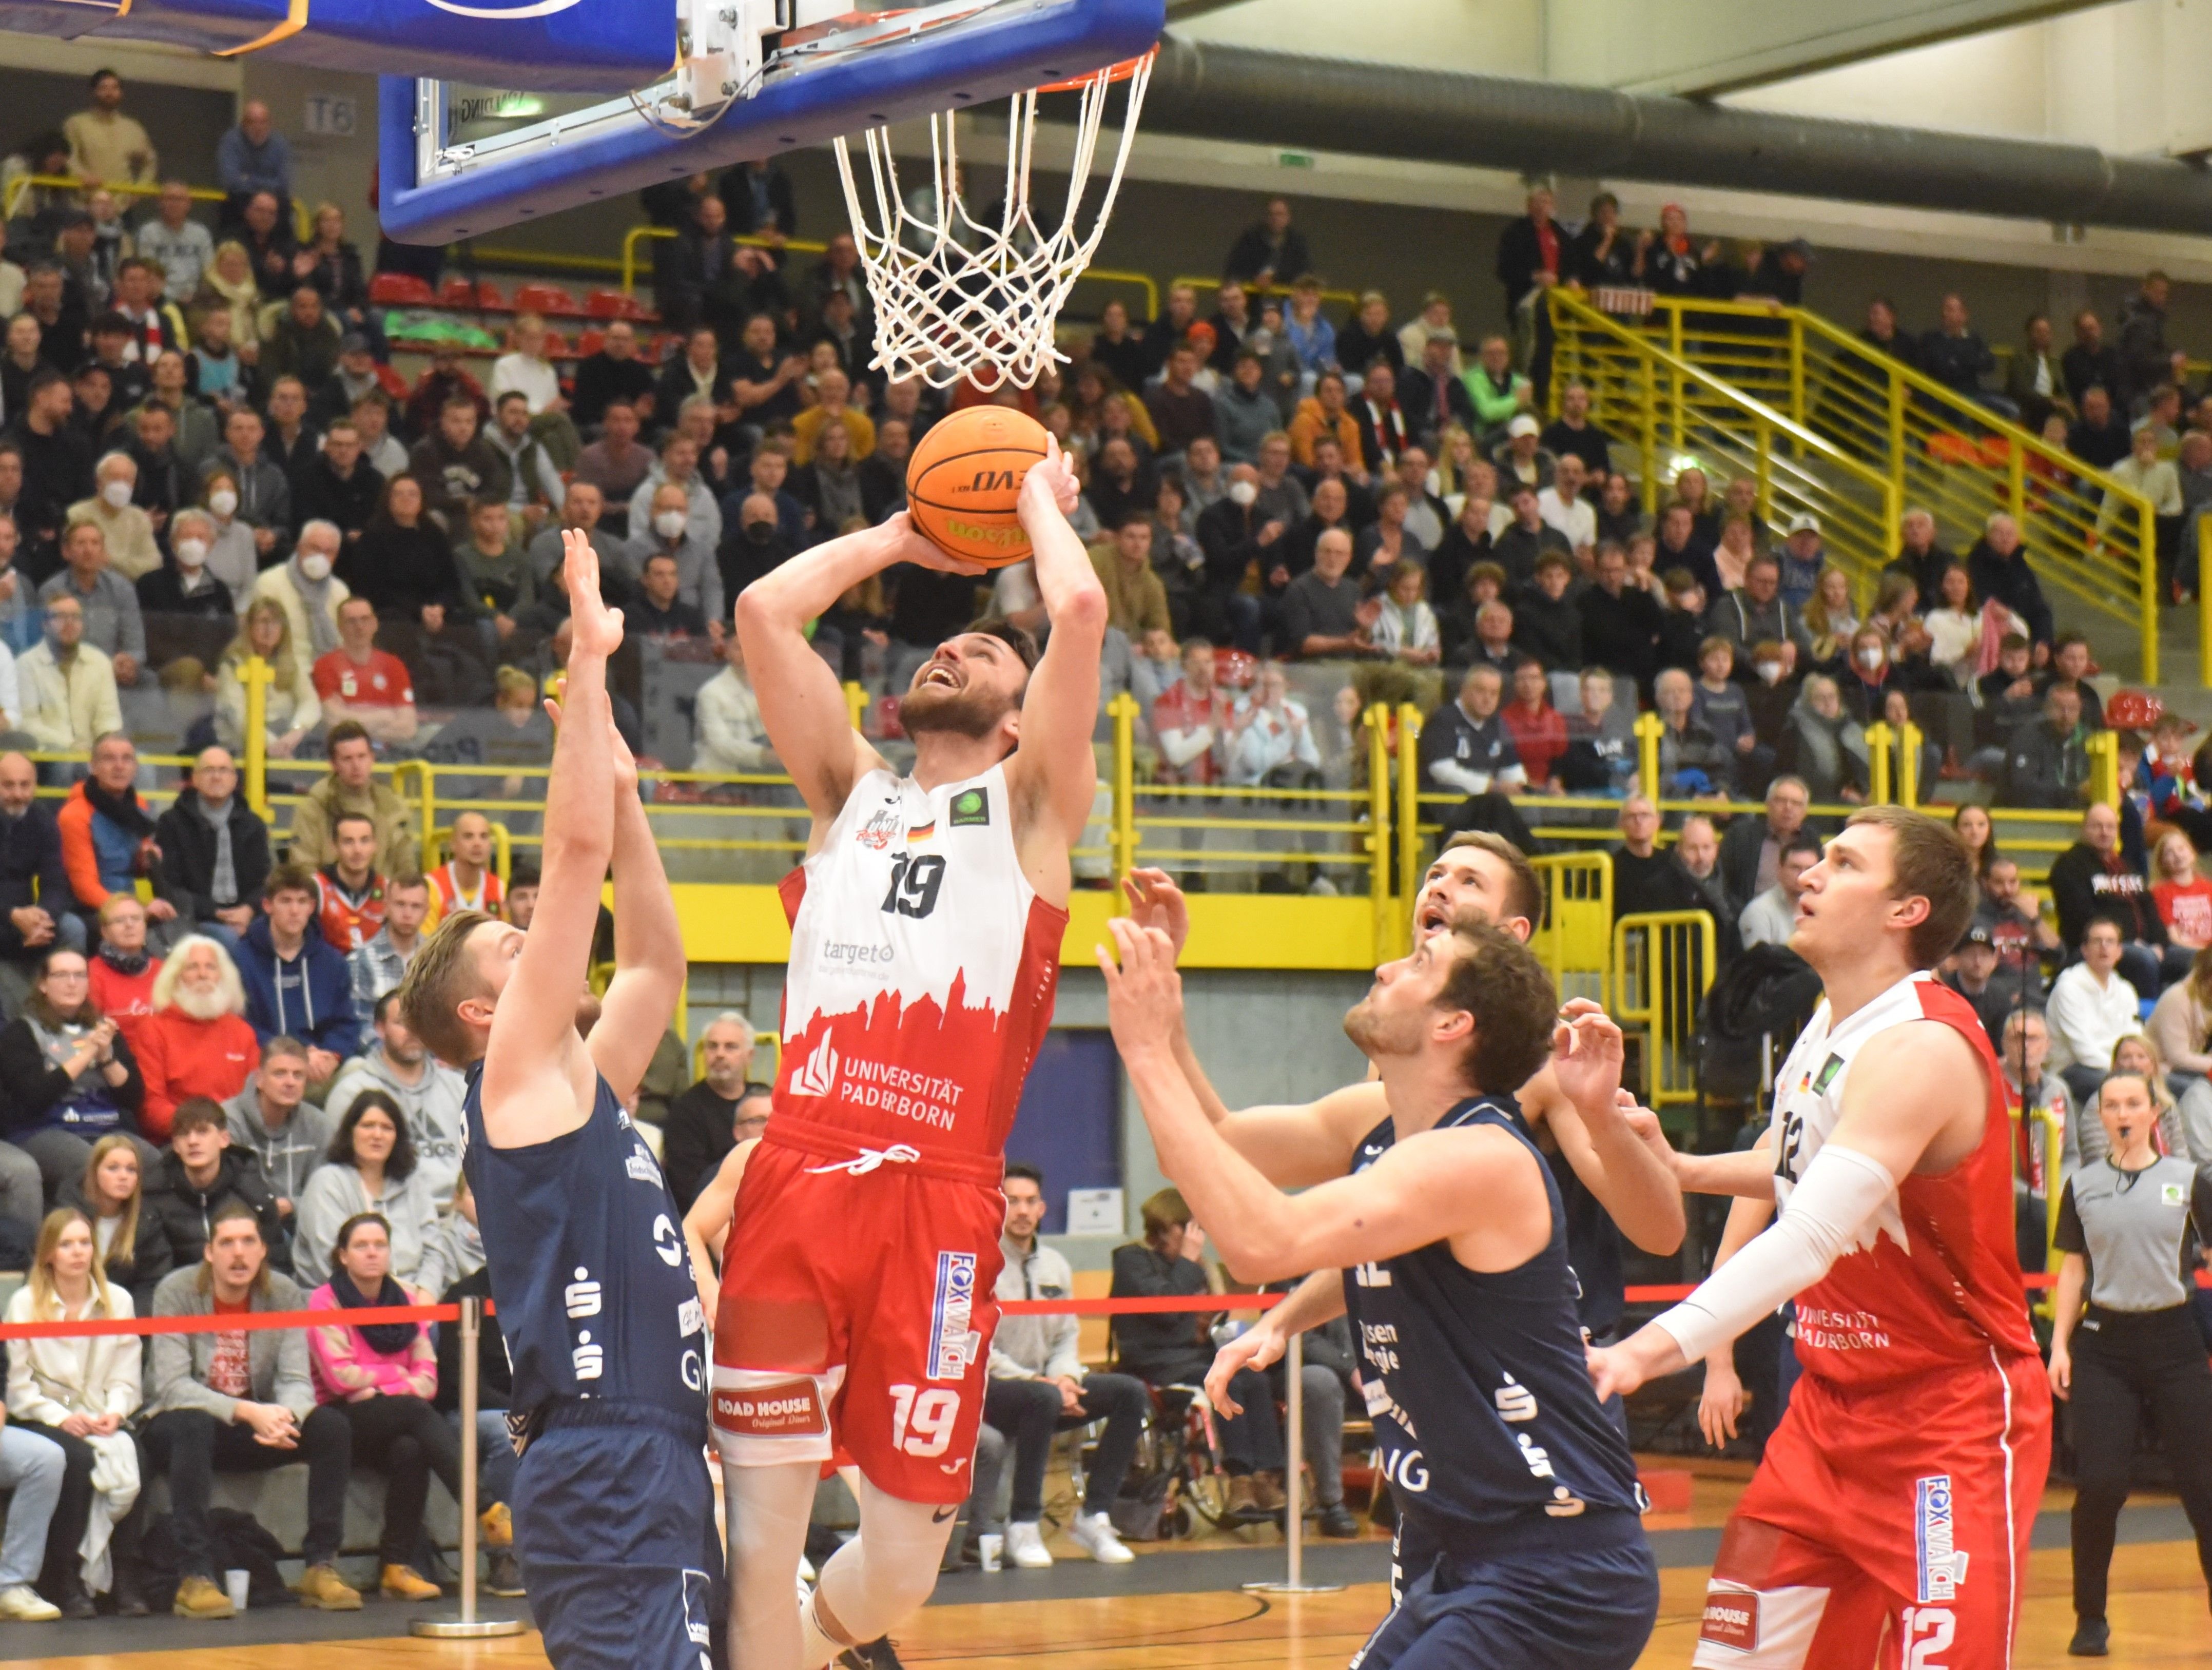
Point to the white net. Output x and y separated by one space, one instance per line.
962 295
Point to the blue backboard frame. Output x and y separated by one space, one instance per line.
611 150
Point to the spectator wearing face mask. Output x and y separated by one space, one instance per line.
668 533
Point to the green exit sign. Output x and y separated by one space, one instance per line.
1294 159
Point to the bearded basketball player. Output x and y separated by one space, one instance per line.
614 1509
855 1306
1891 1514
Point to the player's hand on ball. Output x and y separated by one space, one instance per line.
909 545
1143 994
1155 902
1587 1054
1255 1348
1051 480
595 629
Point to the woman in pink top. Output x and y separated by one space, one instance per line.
384 1374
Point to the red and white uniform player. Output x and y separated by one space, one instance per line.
854 1313
1888 1523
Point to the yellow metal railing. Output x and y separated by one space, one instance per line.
1662 966
1329 298
628 266
2085 534
21 183
1575 938
1672 412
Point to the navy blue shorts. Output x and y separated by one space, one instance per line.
1542 1610
614 1526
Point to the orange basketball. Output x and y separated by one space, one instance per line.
964 478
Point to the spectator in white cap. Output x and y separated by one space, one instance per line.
1803 557
1523 458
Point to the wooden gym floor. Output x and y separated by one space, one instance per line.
1181 1609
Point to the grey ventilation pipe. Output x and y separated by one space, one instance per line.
1216 92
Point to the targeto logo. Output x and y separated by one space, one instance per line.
506 13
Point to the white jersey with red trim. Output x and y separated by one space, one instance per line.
1934 1281
923 966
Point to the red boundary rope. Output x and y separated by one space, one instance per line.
253 1320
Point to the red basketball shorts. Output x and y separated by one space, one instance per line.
1886 1527
856 1318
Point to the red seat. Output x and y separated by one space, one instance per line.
400 289
611 304
551 299
589 342
457 292
490 296
557 347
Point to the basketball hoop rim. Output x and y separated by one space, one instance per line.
1118 72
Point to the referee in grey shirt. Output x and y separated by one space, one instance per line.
2131 1227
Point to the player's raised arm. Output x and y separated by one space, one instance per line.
1294 1145
1599 1137
1432 1185
533 1032
1905 1104
800 701
1053 767
650 961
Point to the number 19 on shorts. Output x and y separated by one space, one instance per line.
922 1424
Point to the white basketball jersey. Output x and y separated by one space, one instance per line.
923 966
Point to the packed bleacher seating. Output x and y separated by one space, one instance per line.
264 503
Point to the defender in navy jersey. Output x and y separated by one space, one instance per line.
1450 1230
614 1511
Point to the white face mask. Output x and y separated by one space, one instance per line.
223 501
669 524
1869 659
1244 493
1770 671
191 554
314 565
118 494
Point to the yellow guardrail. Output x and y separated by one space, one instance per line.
1341 298
1672 412
2085 533
302 224
1662 966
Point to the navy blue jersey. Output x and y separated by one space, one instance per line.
588 1266
1593 1250
1489 1427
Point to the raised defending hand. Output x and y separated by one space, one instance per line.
1143 994
1721 1405
595 629
908 544
1155 902
1051 480
1255 1348
1586 1057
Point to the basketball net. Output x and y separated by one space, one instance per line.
959 298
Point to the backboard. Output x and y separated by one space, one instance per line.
459 159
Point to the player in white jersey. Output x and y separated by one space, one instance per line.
855 1294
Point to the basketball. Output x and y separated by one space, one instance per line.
965 478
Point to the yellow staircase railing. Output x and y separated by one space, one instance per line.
2087 535
1673 412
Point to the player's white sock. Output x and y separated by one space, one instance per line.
768 1508
874 1580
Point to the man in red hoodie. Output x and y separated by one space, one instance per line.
196 1041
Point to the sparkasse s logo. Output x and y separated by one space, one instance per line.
505 14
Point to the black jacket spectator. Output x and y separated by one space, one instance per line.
2084 367
2043 769
2143 352
185 1212
696 1137
1548 629
1653 882
1521 252
399 569
2100 446
495 1373
1256 251
452 475
1622 633
1562 439
34 1084
198 621
1594 263
928 607
600 379
759 199
187 840
2084 883
1516 551
1432 403
1356 350
319 491
31 873
2011 583
1448 565
1123 358
1163 1349
57 473
1958 362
